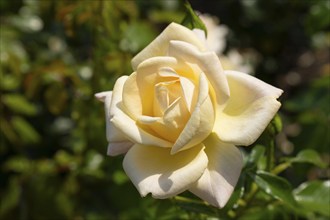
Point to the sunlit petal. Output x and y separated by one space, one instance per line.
251 107
208 62
131 97
159 46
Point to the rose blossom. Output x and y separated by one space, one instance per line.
179 115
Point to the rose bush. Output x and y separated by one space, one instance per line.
179 115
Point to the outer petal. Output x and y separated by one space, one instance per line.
251 107
220 177
118 142
102 95
154 170
111 108
159 46
208 62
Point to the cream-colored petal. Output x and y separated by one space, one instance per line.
221 175
117 148
159 46
201 35
132 99
114 148
102 95
170 124
148 119
121 127
251 107
188 90
111 108
148 76
154 170
241 82
201 121
208 62
161 100
118 143
175 113
135 133
155 64
167 72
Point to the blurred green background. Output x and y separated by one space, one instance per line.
55 55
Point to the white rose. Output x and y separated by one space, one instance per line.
179 115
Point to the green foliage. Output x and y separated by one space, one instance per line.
314 196
318 17
191 20
275 186
255 156
311 109
308 156
55 55
18 104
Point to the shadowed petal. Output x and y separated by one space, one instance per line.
117 148
220 177
154 170
136 134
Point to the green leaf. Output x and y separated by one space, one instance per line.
314 196
18 164
10 199
194 205
161 16
19 104
308 156
7 129
191 20
9 82
63 158
26 132
267 212
276 187
315 20
257 152
119 177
